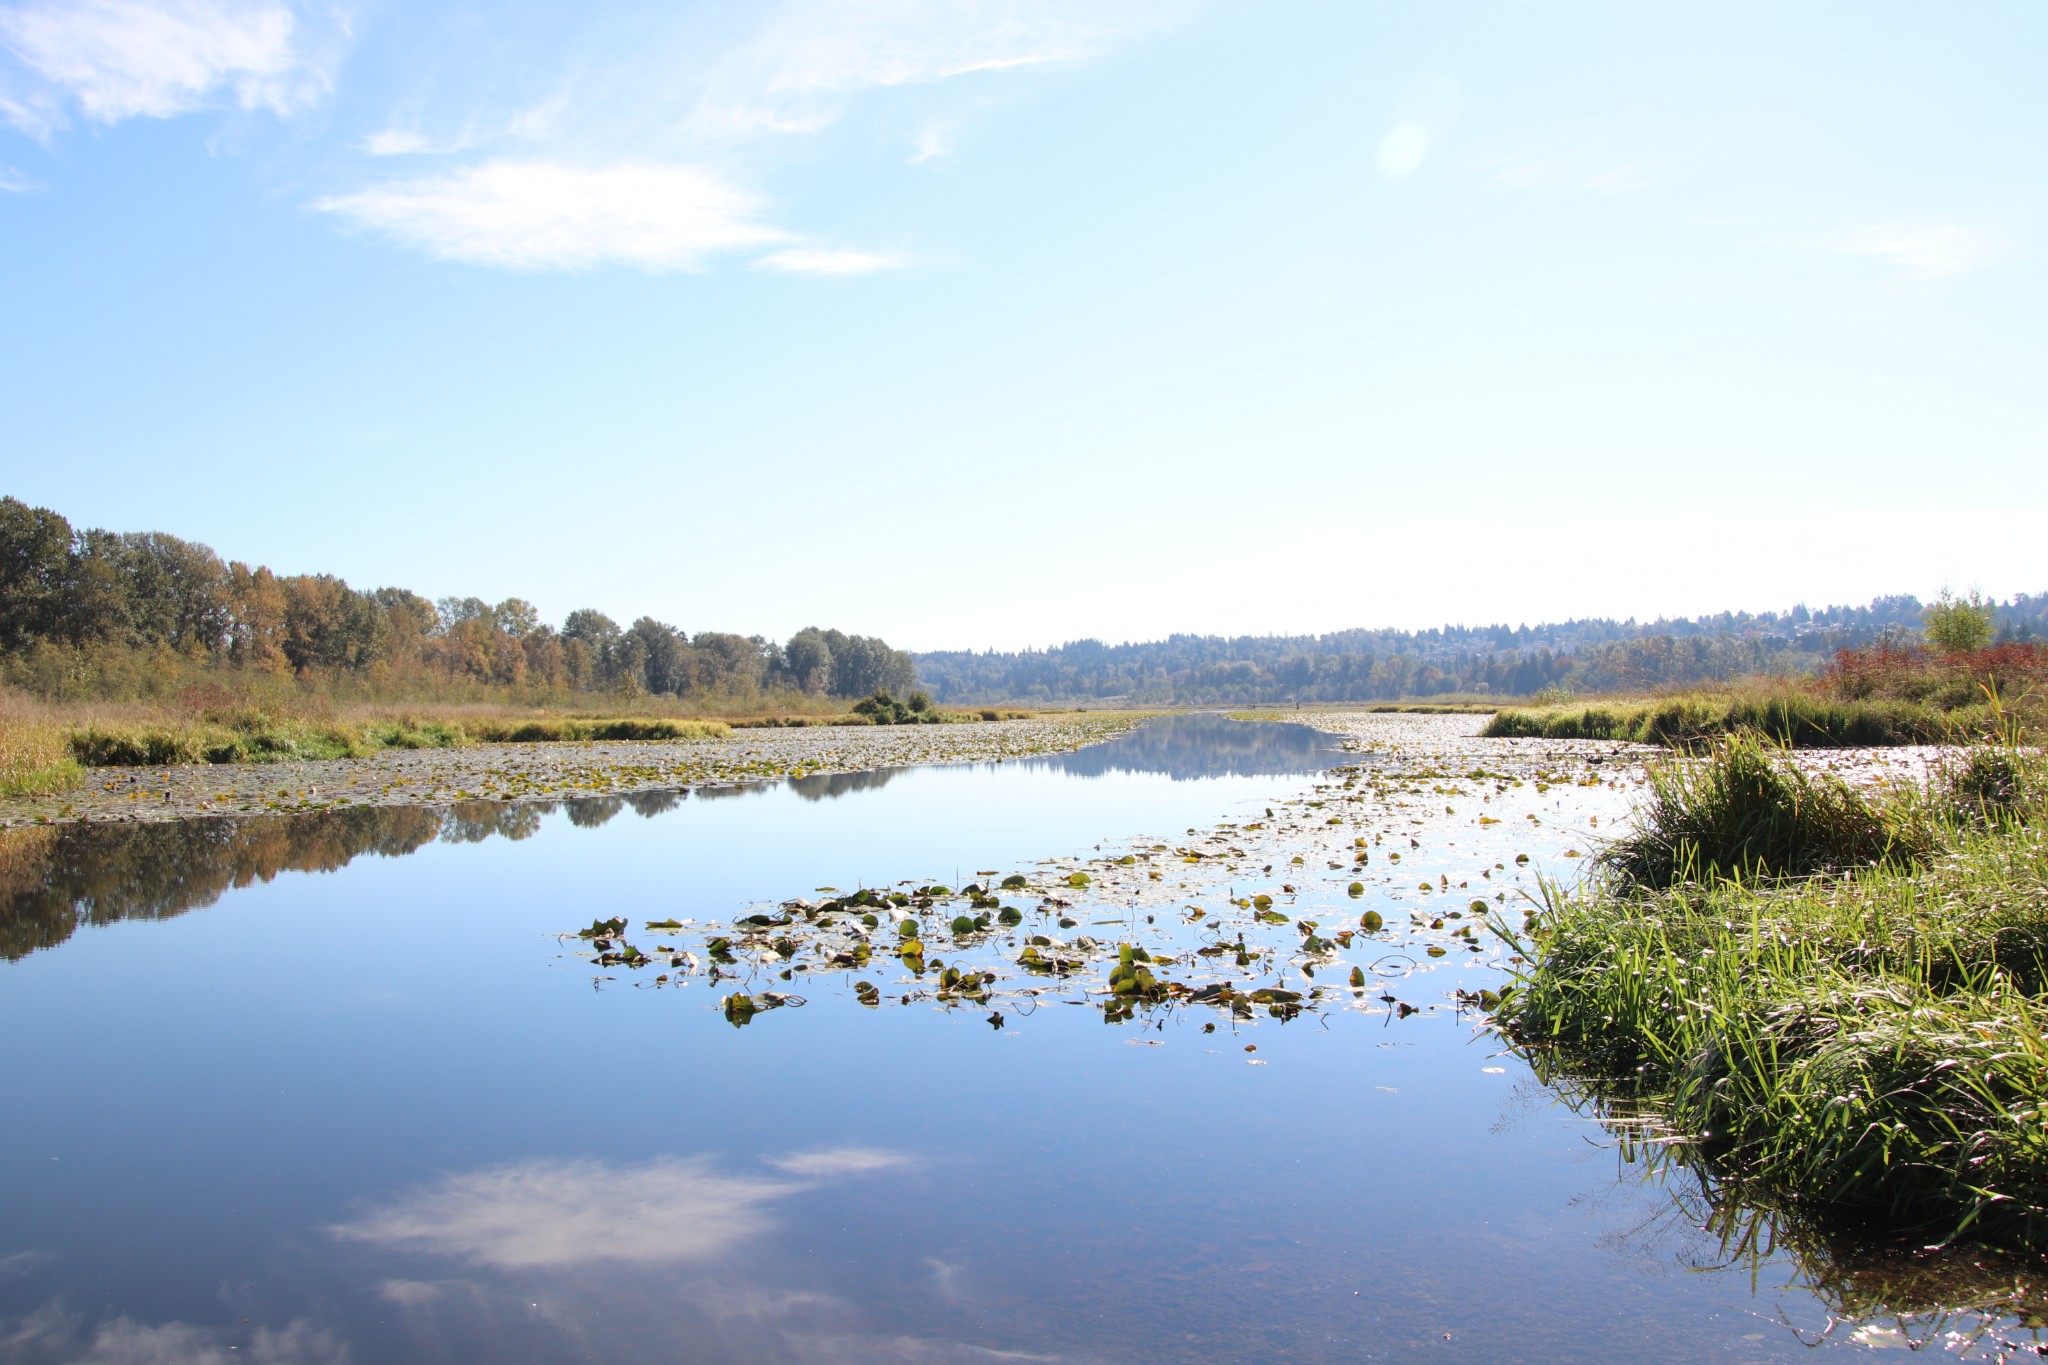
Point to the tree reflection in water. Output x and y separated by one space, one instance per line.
55 879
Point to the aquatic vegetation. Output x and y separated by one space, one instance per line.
1797 719
1837 999
259 738
1265 920
1748 811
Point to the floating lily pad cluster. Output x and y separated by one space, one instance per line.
1308 909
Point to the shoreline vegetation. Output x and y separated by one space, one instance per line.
524 772
132 649
1836 995
1955 690
47 749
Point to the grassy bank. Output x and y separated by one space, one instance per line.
1792 718
260 738
1446 706
47 747
1836 995
34 755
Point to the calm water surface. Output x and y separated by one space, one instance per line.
381 1112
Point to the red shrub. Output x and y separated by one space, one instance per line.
1914 673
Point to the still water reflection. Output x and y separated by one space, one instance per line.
381 1114
55 880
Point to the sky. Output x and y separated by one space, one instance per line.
999 323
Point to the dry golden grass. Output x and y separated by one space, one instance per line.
34 755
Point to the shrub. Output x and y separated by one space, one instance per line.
884 709
1960 625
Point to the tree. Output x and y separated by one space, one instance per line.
455 610
665 654
1960 625
256 603
35 561
177 591
807 661
728 663
516 617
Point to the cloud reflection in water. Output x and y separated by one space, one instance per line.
561 1213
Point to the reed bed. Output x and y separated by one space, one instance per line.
1791 718
1835 996
258 737
34 757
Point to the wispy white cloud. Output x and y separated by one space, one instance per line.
1574 172
117 59
409 142
933 141
819 260
793 73
55 1333
837 1161
14 182
635 147
1922 249
538 215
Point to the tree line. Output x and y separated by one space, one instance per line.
1591 655
65 591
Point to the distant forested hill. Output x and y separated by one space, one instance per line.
1382 665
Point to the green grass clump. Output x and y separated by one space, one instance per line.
257 738
249 741
1747 813
1870 1041
1795 719
556 729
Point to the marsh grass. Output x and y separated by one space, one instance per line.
34 758
1747 812
260 738
1868 1040
1792 718
46 746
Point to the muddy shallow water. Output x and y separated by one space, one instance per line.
347 1085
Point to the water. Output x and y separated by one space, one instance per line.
377 1110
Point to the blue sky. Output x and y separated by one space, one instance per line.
991 323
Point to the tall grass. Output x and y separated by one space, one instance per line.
1867 1041
257 738
1793 718
34 757
1747 813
